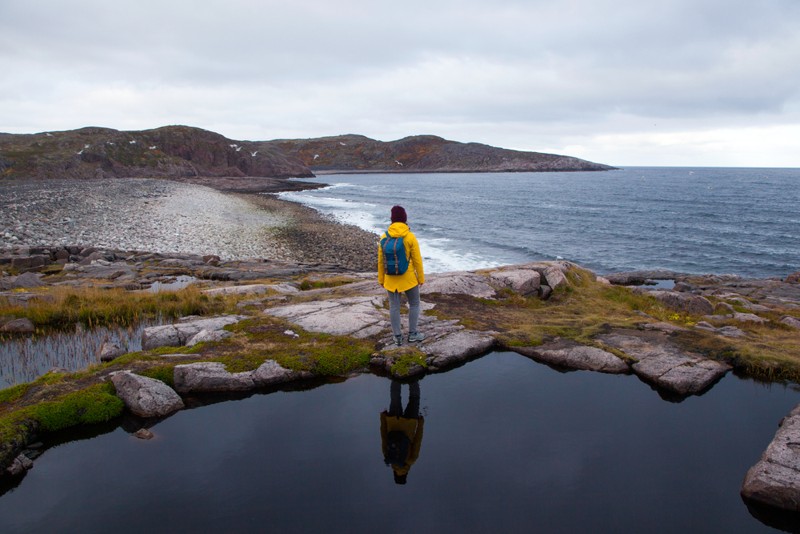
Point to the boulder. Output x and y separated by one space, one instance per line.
19 465
110 350
28 279
521 281
555 276
638 278
204 336
458 283
30 263
210 377
791 321
572 355
687 303
178 334
665 365
144 433
18 326
456 347
775 479
727 331
748 318
146 397
251 289
793 278
271 373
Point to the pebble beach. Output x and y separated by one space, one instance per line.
172 217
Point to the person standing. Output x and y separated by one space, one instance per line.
408 282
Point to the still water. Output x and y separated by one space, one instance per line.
509 445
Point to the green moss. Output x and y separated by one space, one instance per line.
165 373
94 404
14 392
407 360
258 339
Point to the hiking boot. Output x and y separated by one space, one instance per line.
414 337
398 340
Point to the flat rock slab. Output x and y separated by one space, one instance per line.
459 283
572 355
210 377
665 365
206 377
354 316
456 347
251 289
178 334
683 302
144 396
775 479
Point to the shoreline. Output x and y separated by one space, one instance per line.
180 216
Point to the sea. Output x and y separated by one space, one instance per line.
742 221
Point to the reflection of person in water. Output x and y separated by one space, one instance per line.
401 431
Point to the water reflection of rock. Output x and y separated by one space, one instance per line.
401 431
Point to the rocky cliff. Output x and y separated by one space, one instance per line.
421 153
184 152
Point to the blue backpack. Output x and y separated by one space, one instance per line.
394 252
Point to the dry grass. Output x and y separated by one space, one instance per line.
60 307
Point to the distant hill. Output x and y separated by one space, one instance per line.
186 152
171 151
421 153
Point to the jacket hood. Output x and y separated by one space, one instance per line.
398 229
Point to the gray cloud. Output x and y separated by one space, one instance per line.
559 75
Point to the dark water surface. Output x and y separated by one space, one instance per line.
509 445
701 220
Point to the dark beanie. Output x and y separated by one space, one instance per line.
398 214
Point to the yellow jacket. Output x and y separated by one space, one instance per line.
412 428
415 274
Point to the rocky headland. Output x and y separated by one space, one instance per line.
421 153
196 155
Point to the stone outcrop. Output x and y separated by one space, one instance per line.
683 302
110 350
459 283
146 397
359 317
727 331
17 326
213 377
571 355
659 362
210 377
19 465
791 321
179 334
775 479
456 347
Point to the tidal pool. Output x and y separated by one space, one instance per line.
509 445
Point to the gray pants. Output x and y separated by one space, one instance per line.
413 310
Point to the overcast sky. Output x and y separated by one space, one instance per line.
623 82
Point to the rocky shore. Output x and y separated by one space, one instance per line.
169 217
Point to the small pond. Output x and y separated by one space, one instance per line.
24 359
509 445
